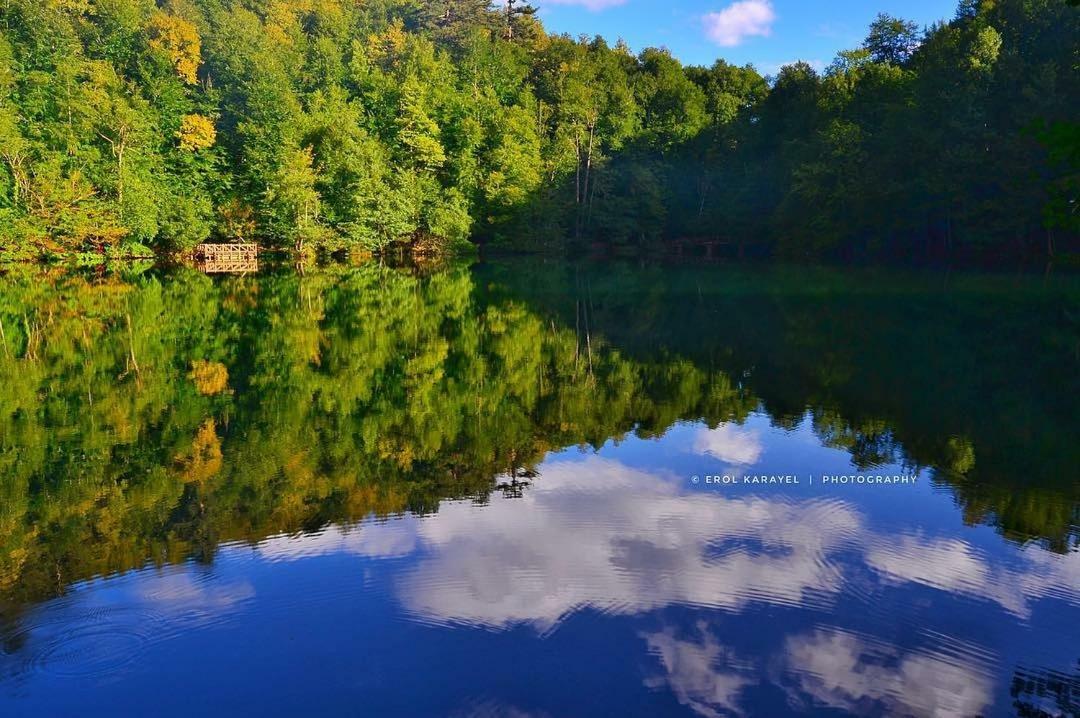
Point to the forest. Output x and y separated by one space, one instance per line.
137 128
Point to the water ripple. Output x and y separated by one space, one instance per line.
89 643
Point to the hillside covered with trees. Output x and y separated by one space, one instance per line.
361 124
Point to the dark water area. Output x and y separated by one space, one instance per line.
540 488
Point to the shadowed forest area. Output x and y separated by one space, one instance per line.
134 127
149 419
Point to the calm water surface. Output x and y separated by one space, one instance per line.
528 489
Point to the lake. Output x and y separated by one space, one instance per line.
540 488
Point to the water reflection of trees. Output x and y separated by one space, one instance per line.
1045 693
153 419
974 376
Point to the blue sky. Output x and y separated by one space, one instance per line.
768 33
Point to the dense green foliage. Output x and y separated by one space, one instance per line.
353 124
152 419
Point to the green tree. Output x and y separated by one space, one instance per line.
891 39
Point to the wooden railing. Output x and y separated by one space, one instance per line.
227 258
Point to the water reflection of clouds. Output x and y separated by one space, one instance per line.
594 533
600 534
847 671
192 597
701 673
957 567
826 667
380 539
729 443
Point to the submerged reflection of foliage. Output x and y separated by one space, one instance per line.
1044 693
974 376
150 421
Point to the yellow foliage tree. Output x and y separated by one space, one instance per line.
388 46
204 460
179 40
209 377
197 132
238 219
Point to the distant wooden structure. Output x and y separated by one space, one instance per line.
712 248
227 258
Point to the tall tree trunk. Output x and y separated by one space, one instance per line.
120 177
22 182
589 206
119 147
577 171
588 161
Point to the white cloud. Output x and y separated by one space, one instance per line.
593 532
740 20
852 673
593 5
374 539
730 444
597 533
955 566
831 667
703 674
186 596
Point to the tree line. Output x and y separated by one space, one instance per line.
135 126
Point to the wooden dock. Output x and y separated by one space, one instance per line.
705 247
227 258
